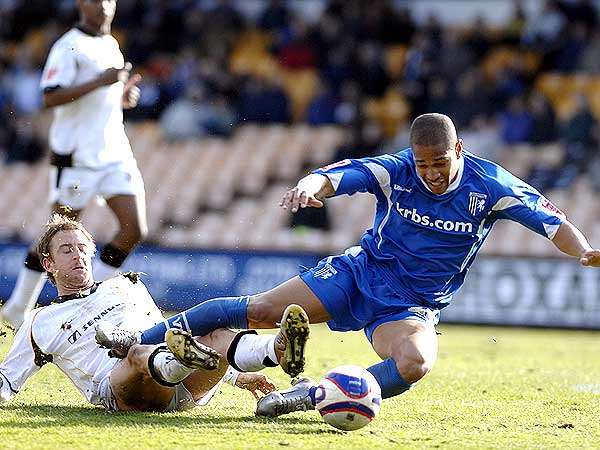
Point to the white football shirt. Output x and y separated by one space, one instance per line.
91 127
65 331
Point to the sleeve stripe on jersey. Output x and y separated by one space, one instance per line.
383 176
551 230
335 178
505 203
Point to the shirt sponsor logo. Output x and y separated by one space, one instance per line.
476 202
549 207
438 224
77 333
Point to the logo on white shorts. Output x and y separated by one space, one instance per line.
325 272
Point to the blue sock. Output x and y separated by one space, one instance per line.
389 379
226 312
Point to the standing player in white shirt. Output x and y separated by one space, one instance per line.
181 374
88 83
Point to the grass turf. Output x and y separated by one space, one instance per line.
491 388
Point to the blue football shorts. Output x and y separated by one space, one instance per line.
358 298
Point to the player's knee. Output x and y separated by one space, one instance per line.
260 311
137 357
413 365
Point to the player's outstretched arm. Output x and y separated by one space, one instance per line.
63 95
309 192
255 383
570 240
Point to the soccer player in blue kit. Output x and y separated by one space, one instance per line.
436 204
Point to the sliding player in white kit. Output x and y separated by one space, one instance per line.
88 83
179 375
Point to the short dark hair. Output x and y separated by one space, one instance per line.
57 223
433 129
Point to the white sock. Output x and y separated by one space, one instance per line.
169 369
103 271
253 349
24 296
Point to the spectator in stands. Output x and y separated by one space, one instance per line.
580 11
481 138
471 99
454 56
275 16
398 25
348 110
151 102
181 119
294 49
370 72
515 27
263 101
22 144
321 110
543 30
590 62
516 122
571 49
577 132
478 39
338 67
439 97
509 82
23 81
543 129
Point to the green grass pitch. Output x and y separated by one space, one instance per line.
491 388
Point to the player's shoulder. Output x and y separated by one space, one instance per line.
488 172
124 278
397 160
70 38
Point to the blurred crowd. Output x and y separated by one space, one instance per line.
374 68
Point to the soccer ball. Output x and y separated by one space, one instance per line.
348 397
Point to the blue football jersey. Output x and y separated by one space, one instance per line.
423 243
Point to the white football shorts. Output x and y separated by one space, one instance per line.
75 186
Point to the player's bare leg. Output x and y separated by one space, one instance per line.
409 350
30 281
201 381
134 387
130 211
265 309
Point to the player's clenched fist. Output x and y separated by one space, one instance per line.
590 258
131 93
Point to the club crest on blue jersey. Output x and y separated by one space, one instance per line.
476 202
